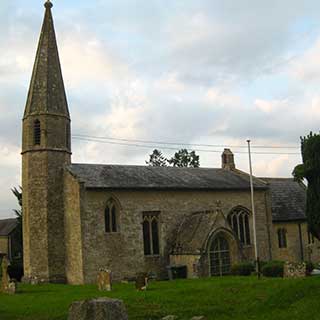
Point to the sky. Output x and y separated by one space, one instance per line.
190 71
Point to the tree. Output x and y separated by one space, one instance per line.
157 159
18 234
183 158
18 194
310 170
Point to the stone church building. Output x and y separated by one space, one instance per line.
79 218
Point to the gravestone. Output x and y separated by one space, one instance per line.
294 270
7 286
142 281
98 309
104 280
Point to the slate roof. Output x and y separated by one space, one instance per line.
288 199
7 226
160 178
193 232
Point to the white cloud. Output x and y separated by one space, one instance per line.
307 67
271 106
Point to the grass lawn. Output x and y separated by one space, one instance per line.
217 298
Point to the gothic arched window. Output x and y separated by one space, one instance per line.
282 237
111 217
238 219
37 133
150 227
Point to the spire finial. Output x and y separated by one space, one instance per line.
48 4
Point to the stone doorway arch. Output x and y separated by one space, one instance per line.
219 256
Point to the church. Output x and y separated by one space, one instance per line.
79 218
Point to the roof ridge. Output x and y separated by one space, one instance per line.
143 166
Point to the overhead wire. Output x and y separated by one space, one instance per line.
133 143
182 143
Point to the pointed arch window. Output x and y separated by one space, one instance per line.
111 217
282 238
238 219
37 133
150 227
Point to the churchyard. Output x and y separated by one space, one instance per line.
222 298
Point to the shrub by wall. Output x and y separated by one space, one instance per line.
242 269
273 269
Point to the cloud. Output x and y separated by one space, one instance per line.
307 67
270 106
206 71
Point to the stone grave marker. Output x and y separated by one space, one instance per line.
98 309
7 286
142 281
104 280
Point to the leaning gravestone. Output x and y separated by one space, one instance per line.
104 280
98 309
142 281
7 286
294 270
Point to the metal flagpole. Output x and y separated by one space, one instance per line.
253 214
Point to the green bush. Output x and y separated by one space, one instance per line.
273 269
242 269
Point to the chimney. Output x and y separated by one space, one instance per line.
228 160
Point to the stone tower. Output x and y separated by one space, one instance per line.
46 151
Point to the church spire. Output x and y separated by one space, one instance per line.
46 93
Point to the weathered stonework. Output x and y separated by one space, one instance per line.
294 270
122 252
98 309
297 249
43 163
3 245
104 280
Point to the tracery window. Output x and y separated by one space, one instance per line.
36 132
111 217
150 226
282 238
238 219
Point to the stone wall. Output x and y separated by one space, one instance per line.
43 189
191 261
73 194
122 252
4 245
293 250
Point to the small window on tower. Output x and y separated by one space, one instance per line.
68 135
37 133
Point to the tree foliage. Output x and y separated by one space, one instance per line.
310 170
18 247
18 194
157 159
183 158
